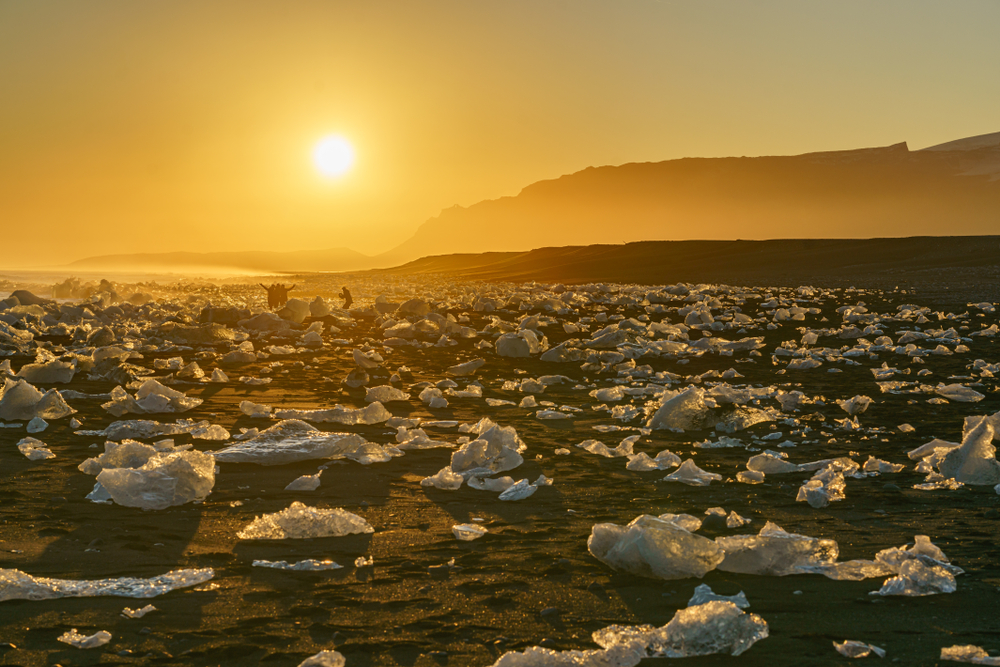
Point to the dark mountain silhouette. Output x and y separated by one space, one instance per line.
951 189
923 260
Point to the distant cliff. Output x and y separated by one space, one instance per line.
952 189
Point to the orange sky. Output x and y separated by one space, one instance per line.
142 126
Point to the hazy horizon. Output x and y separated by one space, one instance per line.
142 127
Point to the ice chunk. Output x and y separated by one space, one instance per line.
467 532
959 393
151 397
774 552
300 521
878 465
74 638
703 593
54 371
137 613
495 450
690 474
917 578
21 400
856 405
289 441
969 653
498 485
324 659
826 486
849 570
367 361
680 412
373 413
536 656
518 491
750 477
705 629
662 461
308 565
16 585
922 569
523 343
127 454
444 479
162 481
624 448
35 450
468 368
255 410
653 547
384 394
975 461
855 649
304 483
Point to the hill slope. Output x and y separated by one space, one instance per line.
892 191
791 262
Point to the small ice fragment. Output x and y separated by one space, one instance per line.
968 653
137 613
304 483
37 425
35 450
855 649
856 405
467 532
734 520
690 474
74 638
750 477
444 479
308 565
325 659
704 593
300 521
906 428
562 451
518 491
361 561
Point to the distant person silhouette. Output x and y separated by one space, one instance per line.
346 296
277 295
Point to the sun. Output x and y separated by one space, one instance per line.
333 156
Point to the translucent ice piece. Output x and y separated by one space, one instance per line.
289 441
653 547
855 649
35 450
163 481
74 638
302 522
706 629
703 593
16 585
775 552
325 659
690 474
467 532
308 565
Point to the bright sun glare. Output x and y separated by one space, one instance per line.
333 156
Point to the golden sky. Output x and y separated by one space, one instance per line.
150 126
